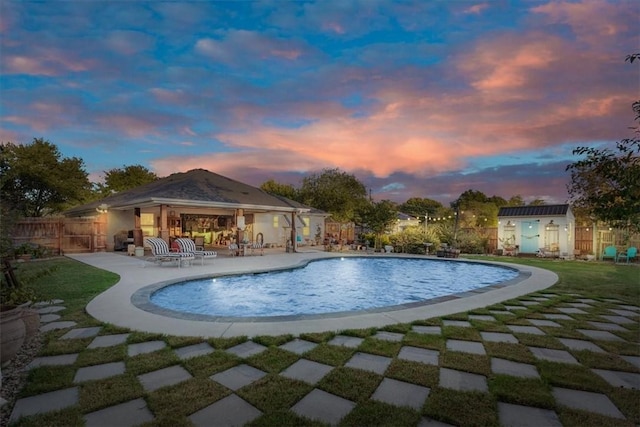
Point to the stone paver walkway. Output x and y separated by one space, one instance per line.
237 372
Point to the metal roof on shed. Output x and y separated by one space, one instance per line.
537 210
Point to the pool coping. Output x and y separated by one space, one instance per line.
115 305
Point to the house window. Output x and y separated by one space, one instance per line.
147 224
275 221
306 230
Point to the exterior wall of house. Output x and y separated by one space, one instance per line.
530 234
276 229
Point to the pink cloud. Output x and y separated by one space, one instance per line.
129 42
43 61
476 9
128 125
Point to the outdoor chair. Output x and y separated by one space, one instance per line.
189 246
233 249
257 246
162 253
609 252
627 255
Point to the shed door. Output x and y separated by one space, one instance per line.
529 241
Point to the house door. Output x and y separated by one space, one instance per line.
530 238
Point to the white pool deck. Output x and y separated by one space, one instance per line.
114 305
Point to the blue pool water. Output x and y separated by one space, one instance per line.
328 286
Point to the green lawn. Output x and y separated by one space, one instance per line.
77 283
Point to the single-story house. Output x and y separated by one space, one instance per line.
547 230
202 204
404 221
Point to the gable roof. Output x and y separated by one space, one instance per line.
197 187
537 210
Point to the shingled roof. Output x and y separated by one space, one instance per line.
537 210
197 187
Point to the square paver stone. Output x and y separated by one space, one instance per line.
501 313
482 317
299 346
346 341
511 415
462 381
51 309
586 401
46 318
422 355
431 330
529 303
607 326
128 414
579 305
630 307
543 322
57 325
98 372
634 360
587 300
369 362
81 333
621 320
553 355
389 336
540 299
459 323
59 360
499 337
580 345
163 377
230 411
466 346
571 310
515 369
307 370
108 340
619 378
48 303
194 350
555 316
145 347
515 307
626 313
400 393
600 335
45 402
526 330
237 377
322 406
246 349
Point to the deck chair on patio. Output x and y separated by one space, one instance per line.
233 249
162 253
627 255
609 252
189 246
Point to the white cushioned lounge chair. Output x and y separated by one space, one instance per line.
189 246
162 253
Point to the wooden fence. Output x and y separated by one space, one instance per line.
62 235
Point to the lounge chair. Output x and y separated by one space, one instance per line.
255 247
609 252
162 253
189 246
627 255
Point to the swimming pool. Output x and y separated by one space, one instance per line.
328 286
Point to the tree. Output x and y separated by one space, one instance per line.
120 179
604 182
379 217
37 180
278 189
420 207
335 192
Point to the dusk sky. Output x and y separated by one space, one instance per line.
414 98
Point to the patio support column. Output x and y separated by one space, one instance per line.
137 231
294 240
239 233
164 231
